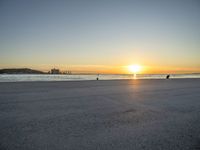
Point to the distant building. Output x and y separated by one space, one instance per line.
55 71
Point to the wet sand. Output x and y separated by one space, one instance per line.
104 115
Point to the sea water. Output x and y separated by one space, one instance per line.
48 77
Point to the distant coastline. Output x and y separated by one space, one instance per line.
20 71
32 71
57 71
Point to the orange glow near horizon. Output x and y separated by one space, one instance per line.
112 69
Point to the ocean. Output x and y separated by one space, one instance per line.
45 77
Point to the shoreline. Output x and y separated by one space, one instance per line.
100 80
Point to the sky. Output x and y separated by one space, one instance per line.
103 36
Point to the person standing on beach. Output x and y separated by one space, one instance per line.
97 77
167 77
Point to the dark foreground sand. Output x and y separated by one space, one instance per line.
104 115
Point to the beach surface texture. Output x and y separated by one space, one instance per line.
100 115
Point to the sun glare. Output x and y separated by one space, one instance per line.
134 68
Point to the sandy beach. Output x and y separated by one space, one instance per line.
89 115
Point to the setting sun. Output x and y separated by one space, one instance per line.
134 68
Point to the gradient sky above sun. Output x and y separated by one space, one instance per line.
101 36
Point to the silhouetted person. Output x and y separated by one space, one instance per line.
167 77
98 77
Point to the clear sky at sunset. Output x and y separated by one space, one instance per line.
101 35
